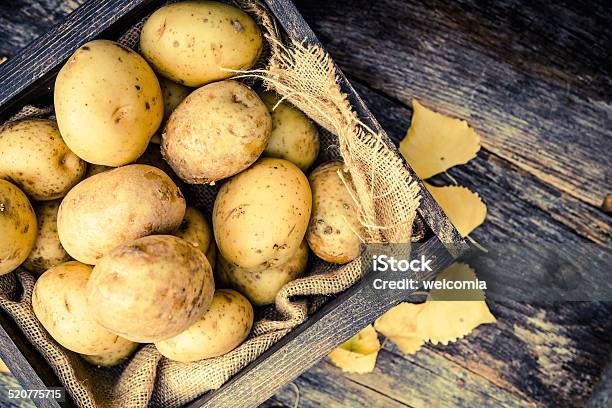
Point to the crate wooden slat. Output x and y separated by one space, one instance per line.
29 77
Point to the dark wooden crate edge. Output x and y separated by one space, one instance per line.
96 18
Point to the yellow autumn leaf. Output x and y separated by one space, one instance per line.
434 142
358 354
399 325
463 207
409 325
3 367
443 320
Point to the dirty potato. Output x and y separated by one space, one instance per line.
34 156
211 254
190 42
216 132
222 328
261 287
334 223
294 136
195 229
59 303
17 227
108 103
150 289
173 95
111 358
115 207
260 215
47 250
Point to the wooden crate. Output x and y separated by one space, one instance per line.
28 78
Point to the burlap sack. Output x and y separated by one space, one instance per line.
382 188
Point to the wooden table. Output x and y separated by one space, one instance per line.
534 79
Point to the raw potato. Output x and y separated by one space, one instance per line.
17 227
34 156
153 157
59 303
224 326
260 215
211 254
150 289
112 358
261 287
47 250
93 169
108 103
216 132
190 41
173 95
116 207
294 136
334 224
195 230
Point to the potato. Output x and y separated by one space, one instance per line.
47 250
153 157
108 103
222 328
173 95
216 132
150 289
260 215
190 41
93 169
115 207
334 223
17 227
34 156
294 136
195 230
261 287
112 358
59 303
211 254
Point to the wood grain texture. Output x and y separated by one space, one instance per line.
487 64
565 46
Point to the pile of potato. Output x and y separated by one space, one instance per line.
88 204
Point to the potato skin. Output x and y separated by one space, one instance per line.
190 41
48 250
173 95
49 169
261 287
111 358
216 132
17 227
150 289
59 303
108 103
294 136
260 215
195 229
222 328
334 220
115 207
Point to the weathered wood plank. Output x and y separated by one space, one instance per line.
340 391
488 65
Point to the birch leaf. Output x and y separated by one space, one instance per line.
358 354
463 207
434 142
